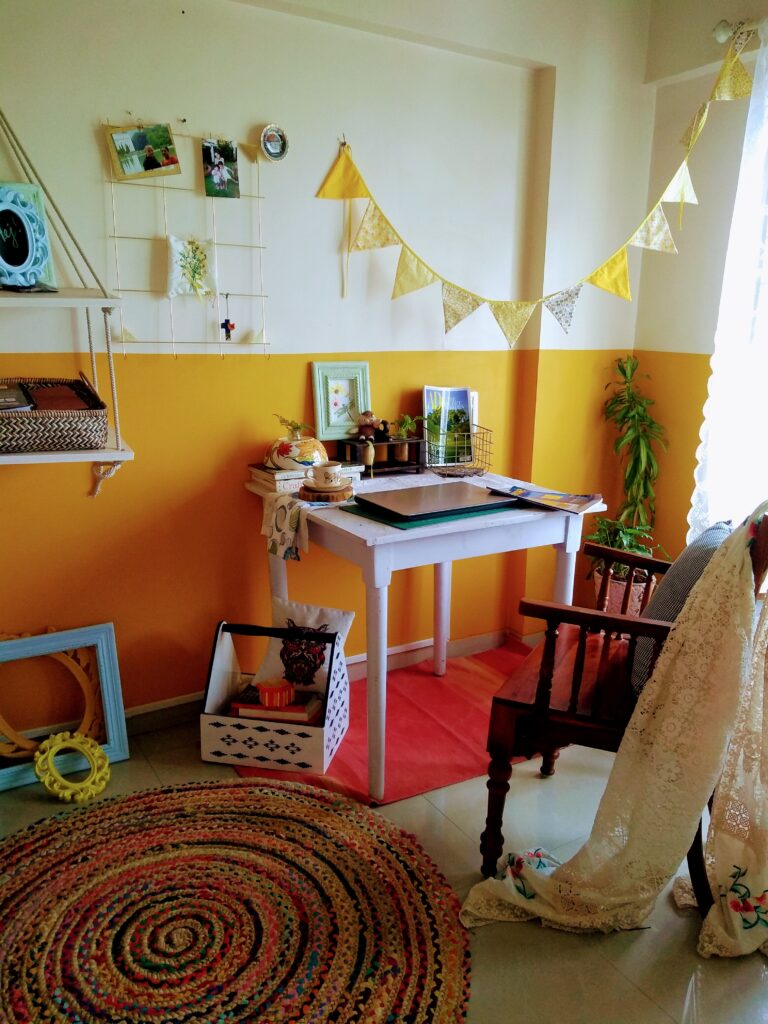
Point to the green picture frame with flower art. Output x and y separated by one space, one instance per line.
341 392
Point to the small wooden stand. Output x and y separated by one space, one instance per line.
387 454
305 494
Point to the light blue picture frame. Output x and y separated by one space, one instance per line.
341 392
25 250
102 639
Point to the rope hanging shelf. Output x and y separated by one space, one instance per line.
91 294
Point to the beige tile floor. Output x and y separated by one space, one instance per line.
520 972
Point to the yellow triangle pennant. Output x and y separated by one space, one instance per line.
562 305
680 189
457 305
375 231
654 233
411 274
613 275
512 318
734 81
343 181
695 128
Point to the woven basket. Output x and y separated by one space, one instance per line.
55 430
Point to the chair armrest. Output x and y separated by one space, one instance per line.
630 625
637 561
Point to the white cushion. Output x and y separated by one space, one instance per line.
330 620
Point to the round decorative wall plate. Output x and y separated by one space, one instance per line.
24 248
274 142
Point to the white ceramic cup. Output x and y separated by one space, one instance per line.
325 474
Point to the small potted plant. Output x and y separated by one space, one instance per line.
404 427
293 451
638 432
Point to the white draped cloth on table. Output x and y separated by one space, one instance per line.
701 718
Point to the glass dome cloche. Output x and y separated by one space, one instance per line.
294 451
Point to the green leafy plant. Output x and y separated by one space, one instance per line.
628 409
638 432
406 425
294 426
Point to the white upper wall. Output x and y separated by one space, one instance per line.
680 295
441 102
681 38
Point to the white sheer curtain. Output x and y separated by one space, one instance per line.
731 477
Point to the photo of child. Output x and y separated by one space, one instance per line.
220 169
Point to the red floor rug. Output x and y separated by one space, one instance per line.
436 728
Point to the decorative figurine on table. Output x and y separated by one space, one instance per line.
367 425
381 433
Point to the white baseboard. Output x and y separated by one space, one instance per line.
357 665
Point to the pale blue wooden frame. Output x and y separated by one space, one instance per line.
102 637
322 375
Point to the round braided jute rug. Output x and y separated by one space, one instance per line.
224 903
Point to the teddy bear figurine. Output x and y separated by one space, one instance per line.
367 425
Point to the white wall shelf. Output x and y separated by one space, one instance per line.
109 454
64 298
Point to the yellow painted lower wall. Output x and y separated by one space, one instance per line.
172 543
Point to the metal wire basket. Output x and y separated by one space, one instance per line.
460 453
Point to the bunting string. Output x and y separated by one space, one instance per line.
375 231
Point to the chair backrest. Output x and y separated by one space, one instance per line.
642 573
759 552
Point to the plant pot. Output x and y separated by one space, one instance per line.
401 452
295 453
616 589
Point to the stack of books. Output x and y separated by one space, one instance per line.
306 707
283 480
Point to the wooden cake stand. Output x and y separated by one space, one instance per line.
340 494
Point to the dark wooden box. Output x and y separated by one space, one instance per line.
396 456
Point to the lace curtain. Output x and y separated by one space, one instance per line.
731 476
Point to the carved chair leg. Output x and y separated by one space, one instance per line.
698 873
548 762
492 840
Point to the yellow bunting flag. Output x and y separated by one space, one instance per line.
411 274
680 189
695 128
613 275
734 81
343 181
562 305
375 231
654 233
457 305
512 318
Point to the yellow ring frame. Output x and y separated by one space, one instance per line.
20 746
54 781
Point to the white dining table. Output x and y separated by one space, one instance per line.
379 550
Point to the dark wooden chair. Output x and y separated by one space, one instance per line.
575 687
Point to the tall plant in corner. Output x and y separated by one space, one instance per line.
628 409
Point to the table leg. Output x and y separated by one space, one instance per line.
278 577
442 627
376 640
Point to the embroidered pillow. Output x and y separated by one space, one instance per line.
672 593
191 267
297 662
